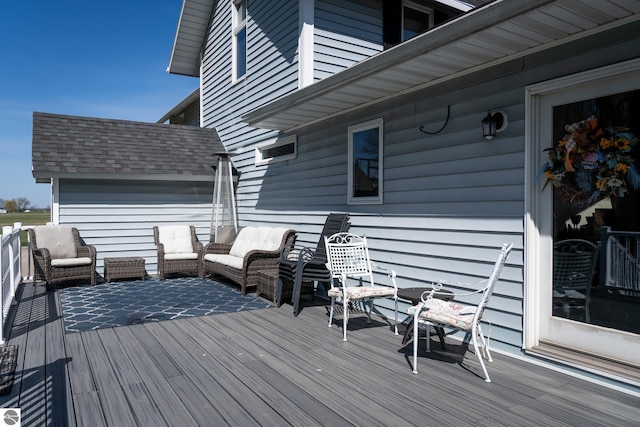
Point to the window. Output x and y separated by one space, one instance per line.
416 19
365 163
239 45
278 151
402 20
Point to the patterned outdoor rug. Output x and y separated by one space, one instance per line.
127 303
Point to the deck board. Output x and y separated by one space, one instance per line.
167 401
60 403
267 367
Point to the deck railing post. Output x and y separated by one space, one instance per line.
10 271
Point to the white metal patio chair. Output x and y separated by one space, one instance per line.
574 263
348 259
450 314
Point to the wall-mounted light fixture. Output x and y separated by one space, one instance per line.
492 123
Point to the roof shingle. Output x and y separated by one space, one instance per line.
67 146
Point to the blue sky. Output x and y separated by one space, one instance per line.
81 57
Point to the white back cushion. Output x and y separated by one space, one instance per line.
175 238
58 239
257 238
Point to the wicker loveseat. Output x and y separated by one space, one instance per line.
60 256
255 249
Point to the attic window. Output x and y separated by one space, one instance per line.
416 19
278 151
405 19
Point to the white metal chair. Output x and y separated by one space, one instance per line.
450 314
348 259
574 263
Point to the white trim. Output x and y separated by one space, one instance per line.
460 5
260 160
55 200
372 124
201 100
306 29
539 102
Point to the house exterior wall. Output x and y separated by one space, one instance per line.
345 34
117 217
272 69
189 116
450 199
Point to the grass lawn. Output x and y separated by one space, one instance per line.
39 217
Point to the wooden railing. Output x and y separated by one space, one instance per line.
10 271
619 265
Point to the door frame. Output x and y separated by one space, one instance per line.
539 100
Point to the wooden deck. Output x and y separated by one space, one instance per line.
265 367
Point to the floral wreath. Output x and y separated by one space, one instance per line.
587 151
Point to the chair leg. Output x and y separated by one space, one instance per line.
278 292
475 332
485 345
333 303
345 317
370 311
396 318
416 325
587 317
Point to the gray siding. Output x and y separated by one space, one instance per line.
118 216
450 200
189 116
271 68
345 34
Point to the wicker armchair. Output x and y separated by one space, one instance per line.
59 255
179 250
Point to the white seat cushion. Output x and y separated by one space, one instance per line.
179 256
175 238
362 292
224 259
257 238
70 262
58 239
447 313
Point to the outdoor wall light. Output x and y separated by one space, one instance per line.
492 123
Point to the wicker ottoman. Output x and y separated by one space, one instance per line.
267 283
124 268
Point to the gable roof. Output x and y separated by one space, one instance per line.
494 34
192 28
85 147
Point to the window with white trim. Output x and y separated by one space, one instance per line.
278 151
416 19
239 44
365 163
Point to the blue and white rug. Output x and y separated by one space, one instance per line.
131 302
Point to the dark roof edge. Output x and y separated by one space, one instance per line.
181 105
